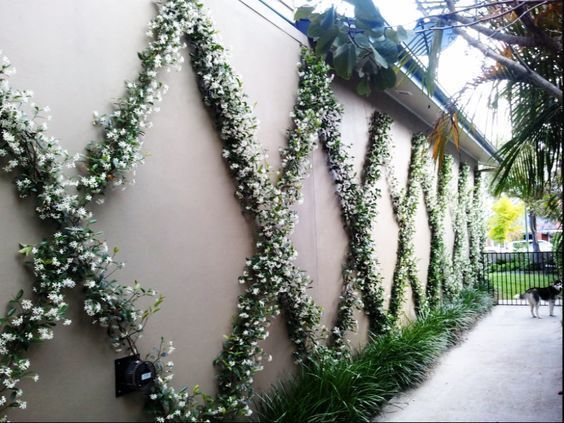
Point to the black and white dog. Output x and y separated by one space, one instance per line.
534 295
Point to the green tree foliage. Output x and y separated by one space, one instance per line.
524 38
503 224
361 44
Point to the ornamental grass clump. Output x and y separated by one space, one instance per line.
356 389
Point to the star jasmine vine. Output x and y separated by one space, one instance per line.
116 156
444 190
476 231
273 282
404 203
358 202
436 194
74 253
460 261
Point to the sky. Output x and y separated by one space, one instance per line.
458 63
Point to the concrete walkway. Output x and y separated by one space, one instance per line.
508 369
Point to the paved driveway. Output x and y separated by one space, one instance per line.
508 369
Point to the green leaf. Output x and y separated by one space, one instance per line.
431 74
323 44
25 249
379 59
404 34
314 30
344 60
388 49
303 12
362 40
363 87
366 11
11 311
385 79
392 35
341 40
19 294
328 19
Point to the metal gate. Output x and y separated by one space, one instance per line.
511 274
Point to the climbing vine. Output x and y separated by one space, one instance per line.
460 261
76 255
358 202
404 203
436 194
444 190
476 232
118 153
273 281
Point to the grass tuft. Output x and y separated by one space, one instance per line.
356 389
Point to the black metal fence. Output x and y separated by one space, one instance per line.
511 274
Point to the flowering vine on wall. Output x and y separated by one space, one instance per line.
358 201
272 279
460 261
76 255
476 231
404 204
436 195
117 155
444 190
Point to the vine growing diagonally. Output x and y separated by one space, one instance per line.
75 254
404 204
358 208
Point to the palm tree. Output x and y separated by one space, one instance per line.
525 40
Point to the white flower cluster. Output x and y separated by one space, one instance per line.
444 200
36 158
436 194
404 203
23 325
119 152
476 232
461 261
168 404
274 282
74 252
358 207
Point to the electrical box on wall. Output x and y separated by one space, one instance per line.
133 374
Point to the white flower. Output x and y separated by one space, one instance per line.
45 334
24 364
17 322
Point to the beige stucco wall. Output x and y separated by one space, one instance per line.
179 228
